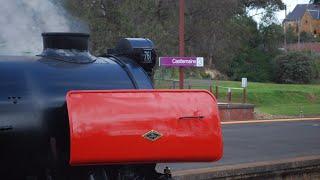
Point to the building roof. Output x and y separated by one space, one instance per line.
300 9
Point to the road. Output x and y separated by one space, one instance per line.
254 142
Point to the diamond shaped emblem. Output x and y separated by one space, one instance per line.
152 135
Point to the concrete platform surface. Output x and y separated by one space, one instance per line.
259 142
307 167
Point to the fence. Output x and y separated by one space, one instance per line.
222 93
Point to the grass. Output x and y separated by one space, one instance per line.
275 99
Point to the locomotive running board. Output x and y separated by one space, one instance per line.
143 126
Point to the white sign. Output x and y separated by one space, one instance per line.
200 62
181 61
244 83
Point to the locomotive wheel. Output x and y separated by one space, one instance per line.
98 174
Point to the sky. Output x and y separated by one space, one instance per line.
291 4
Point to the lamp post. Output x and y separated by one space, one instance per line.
181 40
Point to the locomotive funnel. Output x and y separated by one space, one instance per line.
68 47
76 41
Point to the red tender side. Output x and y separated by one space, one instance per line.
143 126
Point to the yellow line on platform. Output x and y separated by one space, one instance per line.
269 121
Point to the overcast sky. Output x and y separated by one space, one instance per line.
291 4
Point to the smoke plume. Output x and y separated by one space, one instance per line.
23 21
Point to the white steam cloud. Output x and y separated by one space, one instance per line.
23 21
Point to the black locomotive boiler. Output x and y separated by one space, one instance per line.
33 116
68 115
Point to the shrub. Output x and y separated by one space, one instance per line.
316 66
253 64
317 69
294 67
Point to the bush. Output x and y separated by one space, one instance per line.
316 66
317 69
294 67
307 37
253 64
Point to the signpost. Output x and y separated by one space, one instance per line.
181 40
181 61
244 85
244 82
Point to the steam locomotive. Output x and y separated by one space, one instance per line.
66 114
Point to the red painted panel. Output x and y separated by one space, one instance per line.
108 127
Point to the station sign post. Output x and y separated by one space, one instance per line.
181 61
181 40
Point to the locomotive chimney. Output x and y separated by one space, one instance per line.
68 47
75 41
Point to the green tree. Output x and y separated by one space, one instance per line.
278 4
254 64
291 35
315 1
272 37
307 37
215 29
253 60
294 67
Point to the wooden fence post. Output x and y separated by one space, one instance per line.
217 92
244 95
229 95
